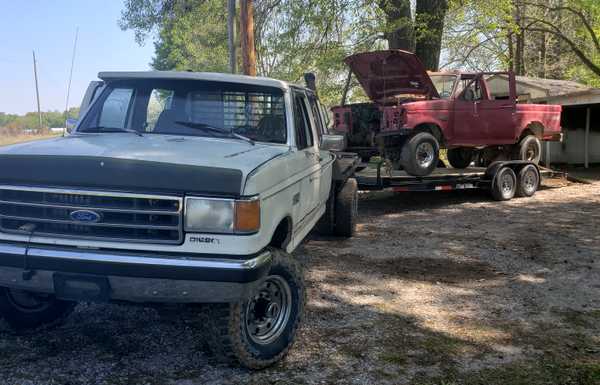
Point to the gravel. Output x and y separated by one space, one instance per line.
433 283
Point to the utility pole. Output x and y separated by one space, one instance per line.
247 37
71 75
231 34
37 91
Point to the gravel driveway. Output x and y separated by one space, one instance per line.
436 288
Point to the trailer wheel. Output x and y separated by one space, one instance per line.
259 331
420 154
24 310
346 208
504 185
460 157
529 181
529 148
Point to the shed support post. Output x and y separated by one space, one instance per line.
547 154
586 153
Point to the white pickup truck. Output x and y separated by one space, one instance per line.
176 187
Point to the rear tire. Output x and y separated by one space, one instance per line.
420 154
259 331
460 157
528 181
504 185
346 209
326 225
529 148
24 310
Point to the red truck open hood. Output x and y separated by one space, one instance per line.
385 74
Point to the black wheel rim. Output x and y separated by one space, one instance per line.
268 312
28 302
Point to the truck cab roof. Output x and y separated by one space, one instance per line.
202 76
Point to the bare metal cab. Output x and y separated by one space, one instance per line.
176 187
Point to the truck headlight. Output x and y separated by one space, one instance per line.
208 215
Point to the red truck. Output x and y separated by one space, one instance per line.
415 113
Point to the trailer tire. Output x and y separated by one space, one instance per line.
460 157
346 209
529 148
235 336
504 184
420 154
23 310
528 181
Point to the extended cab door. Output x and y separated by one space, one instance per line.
308 153
467 123
325 157
497 113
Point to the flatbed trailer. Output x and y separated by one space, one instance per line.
504 179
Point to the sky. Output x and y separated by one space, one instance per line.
48 27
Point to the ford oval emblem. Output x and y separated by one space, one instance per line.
86 216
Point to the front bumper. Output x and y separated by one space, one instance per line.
135 277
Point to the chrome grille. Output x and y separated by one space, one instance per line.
117 217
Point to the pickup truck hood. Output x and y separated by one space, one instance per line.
385 74
164 162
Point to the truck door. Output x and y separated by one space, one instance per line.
497 112
308 157
325 160
468 127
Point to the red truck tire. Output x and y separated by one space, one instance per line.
420 154
529 148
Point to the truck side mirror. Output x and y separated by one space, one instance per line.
333 142
70 124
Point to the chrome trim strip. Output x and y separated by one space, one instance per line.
95 256
92 224
93 208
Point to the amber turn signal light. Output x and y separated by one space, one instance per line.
247 216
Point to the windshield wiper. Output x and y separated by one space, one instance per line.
112 129
213 129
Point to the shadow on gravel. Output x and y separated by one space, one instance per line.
436 288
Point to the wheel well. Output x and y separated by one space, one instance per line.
431 128
283 234
533 128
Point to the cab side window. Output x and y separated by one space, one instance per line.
317 115
304 135
472 90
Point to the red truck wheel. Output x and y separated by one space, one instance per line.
529 148
420 154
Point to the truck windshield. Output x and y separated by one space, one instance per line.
444 84
189 107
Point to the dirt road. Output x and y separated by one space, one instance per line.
440 288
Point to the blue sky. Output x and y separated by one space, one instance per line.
48 27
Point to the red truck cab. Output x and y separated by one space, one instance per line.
413 113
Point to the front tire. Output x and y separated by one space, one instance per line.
24 310
258 332
420 154
460 157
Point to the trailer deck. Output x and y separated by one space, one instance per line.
441 179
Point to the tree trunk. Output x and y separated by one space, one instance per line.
399 24
430 20
247 37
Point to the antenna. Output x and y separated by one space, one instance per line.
37 91
70 78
